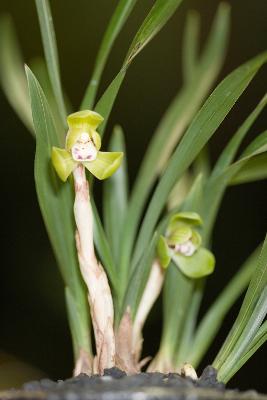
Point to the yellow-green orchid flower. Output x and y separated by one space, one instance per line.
82 147
182 244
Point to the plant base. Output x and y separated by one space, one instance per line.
115 385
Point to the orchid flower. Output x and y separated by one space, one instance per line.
182 245
82 147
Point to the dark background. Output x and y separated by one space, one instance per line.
32 314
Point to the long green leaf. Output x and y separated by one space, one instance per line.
156 19
12 75
115 196
246 337
103 248
231 149
190 45
213 319
118 19
171 127
186 337
160 13
56 202
254 170
106 102
137 282
39 68
259 339
177 294
51 54
256 287
217 184
199 132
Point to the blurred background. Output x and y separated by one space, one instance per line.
34 336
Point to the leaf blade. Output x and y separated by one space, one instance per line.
56 202
51 53
160 13
199 132
256 287
117 21
12 75
115 195
172 125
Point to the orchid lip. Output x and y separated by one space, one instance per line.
186 249
84 149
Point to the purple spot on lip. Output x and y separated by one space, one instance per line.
80 158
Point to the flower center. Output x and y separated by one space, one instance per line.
186 249
84 149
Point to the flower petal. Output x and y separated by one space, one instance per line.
185 217
180 235
62 162
196 239
80 122
96 139
200 264
105 165
83 118
163 252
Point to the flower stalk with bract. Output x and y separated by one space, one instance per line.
82 152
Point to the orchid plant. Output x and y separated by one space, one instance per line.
115 268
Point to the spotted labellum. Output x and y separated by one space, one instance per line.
182 245
82 147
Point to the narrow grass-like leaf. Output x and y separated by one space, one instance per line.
156 19
217 184
160 13
106 102
56 203
213 319
115 196
80 335
246 337
199 132
51 54
103 248
171 127
254 170
137 281
190 45
118 19
255 289
186 336
177 294
39 68
231 149
259 339
12 74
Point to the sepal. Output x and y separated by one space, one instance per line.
62 162
200 264
163 252
105 165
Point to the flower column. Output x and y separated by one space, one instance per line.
82 151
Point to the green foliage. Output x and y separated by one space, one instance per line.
56 204
12 76
248 322
133 235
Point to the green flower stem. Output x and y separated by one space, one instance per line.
99 294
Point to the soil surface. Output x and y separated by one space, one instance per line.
116 385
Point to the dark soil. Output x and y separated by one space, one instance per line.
116 385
